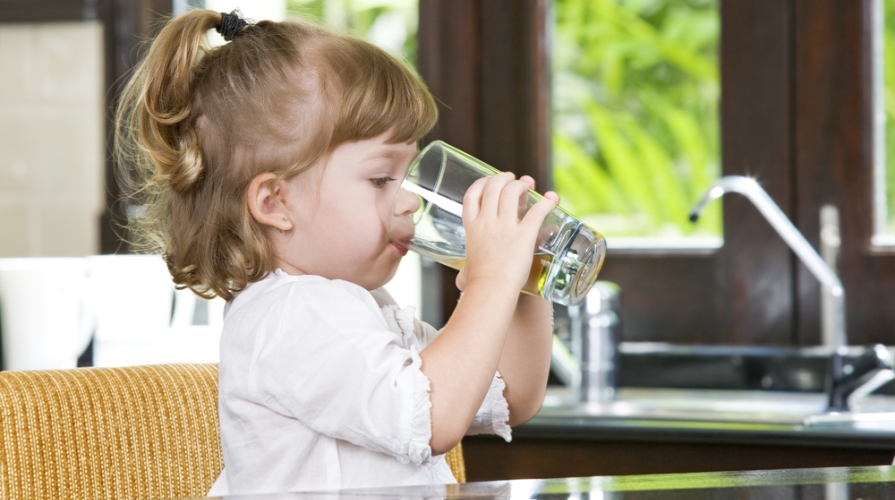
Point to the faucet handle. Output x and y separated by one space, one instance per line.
597 343
850 378
830 239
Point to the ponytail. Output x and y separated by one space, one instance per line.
163 85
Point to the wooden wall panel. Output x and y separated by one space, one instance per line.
485 63
834 118
491 459
755 267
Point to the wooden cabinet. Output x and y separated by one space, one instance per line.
489 458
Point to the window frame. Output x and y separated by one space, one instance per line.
796 114
834 119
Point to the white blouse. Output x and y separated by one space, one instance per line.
321 388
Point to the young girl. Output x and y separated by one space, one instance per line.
269 169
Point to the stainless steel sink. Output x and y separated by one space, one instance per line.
718 410
760 388
684 405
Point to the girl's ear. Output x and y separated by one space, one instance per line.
264 204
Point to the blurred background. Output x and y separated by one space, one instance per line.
629 109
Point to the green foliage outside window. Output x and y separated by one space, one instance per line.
391 24
635 106
888 48
635 98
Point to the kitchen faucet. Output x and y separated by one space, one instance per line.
833 295
848 379
853 373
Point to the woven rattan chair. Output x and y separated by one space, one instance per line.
136 432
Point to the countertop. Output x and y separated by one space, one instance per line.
803 484
728 417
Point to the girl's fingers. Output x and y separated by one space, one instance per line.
535 216
499 194
511 197
528 180
493 188
472 199
552 196
461 279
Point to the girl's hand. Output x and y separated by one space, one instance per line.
550 195
500 246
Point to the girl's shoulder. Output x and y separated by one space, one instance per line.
281 298
281 288
383 298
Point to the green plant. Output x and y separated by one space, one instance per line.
636 133
390 24
888 42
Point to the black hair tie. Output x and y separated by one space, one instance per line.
231 23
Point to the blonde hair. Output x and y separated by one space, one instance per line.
195 125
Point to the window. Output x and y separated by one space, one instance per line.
883 80
795 114
635 95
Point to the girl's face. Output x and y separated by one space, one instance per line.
348 223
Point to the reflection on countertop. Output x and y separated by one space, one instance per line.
795 484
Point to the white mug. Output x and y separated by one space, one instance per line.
141 318
48 312
135 296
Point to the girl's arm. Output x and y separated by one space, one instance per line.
525 362
460 363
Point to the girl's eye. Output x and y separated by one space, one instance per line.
380 182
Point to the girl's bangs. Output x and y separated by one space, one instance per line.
383 96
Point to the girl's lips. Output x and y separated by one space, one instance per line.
402 247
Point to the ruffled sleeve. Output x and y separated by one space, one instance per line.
494 415
417 425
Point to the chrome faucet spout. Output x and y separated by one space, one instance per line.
833 303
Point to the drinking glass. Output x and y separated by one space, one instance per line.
568 254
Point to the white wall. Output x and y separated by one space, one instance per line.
51 139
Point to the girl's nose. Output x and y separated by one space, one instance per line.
406 202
